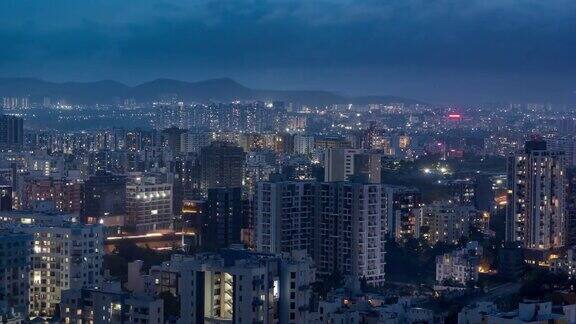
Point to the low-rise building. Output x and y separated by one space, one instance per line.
460 266
531 311
477 313
511 262
109 304
9 315
347 306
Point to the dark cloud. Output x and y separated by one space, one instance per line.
422 48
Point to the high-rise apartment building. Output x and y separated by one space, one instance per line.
351 223
193 220
341 225
221 165
15 250
64 256
303 144
284 143
224 217
197 140
172 114
240 286
536 197
570 206
104 198
343 164
65 194
15 103
567 144
284 216
176 139
445 221
11 132
402 217
148 204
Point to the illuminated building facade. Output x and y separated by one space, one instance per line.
402 218
446 222
240 286
65 194
110 304
193 218
148 204
67 256
303 144
536 197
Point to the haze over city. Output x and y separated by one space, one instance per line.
438 51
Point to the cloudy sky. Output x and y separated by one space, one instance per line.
436 50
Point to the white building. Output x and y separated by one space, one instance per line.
159 279
459 266
351 224
139 282
341 164
68 256
341 225
109 304
445 221
196 141
284 215
148 204
297 274
303 144
240 286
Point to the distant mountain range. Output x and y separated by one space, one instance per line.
216 90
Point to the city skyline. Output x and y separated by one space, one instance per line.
287 161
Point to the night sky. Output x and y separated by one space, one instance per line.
436 50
